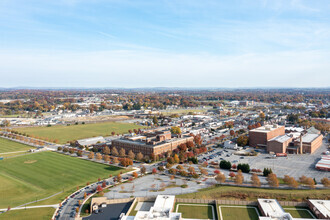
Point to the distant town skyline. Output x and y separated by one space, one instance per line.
134 44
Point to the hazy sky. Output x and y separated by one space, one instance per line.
185 43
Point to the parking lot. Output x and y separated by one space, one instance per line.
294 165
111 212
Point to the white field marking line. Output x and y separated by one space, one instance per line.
14 152
177 207
231 206
301 209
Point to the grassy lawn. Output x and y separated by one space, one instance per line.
39 175
65 133
29 214
12 146
195 211
238 213
244 193
86 206
133 211
298 212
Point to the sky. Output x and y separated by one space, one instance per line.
164 43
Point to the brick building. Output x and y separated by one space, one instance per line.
151 143
258 137
311 142
279 144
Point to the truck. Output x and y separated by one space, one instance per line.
281 155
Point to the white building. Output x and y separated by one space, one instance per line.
230 145
161 210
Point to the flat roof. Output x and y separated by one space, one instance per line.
143 143
266 128
271 207
281 138
323 206
309 137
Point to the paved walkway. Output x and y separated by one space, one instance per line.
33 207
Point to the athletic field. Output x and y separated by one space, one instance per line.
64 133
38 175
299 212
12 146
196 211
29 214
228 212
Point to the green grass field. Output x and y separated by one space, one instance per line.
195 211
12 146
298 212
29 214
238 213
39 175
252 194
65 133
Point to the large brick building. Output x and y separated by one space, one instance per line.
305 143
279 144
151 143
258 137
311 142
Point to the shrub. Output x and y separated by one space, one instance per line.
225 164
244 167
267 171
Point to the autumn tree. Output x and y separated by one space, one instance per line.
155 120
203 171
135 175
139 156
272 180
239 177
325 181
131 155
191 169
143 170
310 183
290 181
175 130
176 158
198 140
114 151
118 178
106 158
106 150
122 152
232 132
242 140
115 160
98 156
255 180
220 178
91 155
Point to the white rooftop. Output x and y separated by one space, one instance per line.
323 206
273 209
281 138
266 128
307 138
161 210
